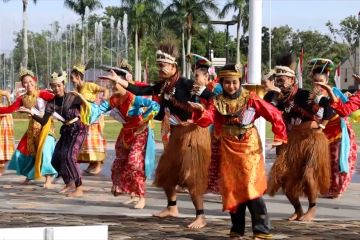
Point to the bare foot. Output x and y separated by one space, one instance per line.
198 223
115 192
48 185
26 182
296 216
96 170
309 215
140 204
171 211
132 200
77 193
67 188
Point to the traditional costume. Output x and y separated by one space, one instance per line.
214 86
303 165
131 167
32 158
94 147
342 140
73 132
186 158
6 138
241 173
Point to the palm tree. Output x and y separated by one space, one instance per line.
174 16
143 16
24 61
242 6
79 7
192 12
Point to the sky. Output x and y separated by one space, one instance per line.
298 14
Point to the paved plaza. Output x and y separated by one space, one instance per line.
32 206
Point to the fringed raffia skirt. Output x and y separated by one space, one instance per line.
306 157
186 159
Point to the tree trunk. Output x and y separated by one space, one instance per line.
189 26
238 39
188 68
136 55
82 41
24 62
139 60
183 51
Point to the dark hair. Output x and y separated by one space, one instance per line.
320 70
204 70
286 59
77 73
272 77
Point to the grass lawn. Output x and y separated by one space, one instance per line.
112 129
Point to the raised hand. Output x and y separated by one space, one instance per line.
276 144
270 86
328 89
24 110
111 76
196 106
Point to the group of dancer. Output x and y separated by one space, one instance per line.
210 140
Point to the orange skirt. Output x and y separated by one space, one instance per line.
6 138
186 159
242 169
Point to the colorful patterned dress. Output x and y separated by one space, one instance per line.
341 178
94 147
128 172
343 151
32 158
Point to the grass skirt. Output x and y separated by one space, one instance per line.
186 159
305 157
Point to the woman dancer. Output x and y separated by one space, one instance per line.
32 157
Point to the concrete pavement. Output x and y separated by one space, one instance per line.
32 206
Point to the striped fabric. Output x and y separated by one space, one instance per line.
93 149
6 138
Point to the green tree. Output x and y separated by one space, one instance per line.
242 17
174 16
79 7
192 12
142 16
349 33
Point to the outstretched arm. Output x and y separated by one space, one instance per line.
272 115
13 107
